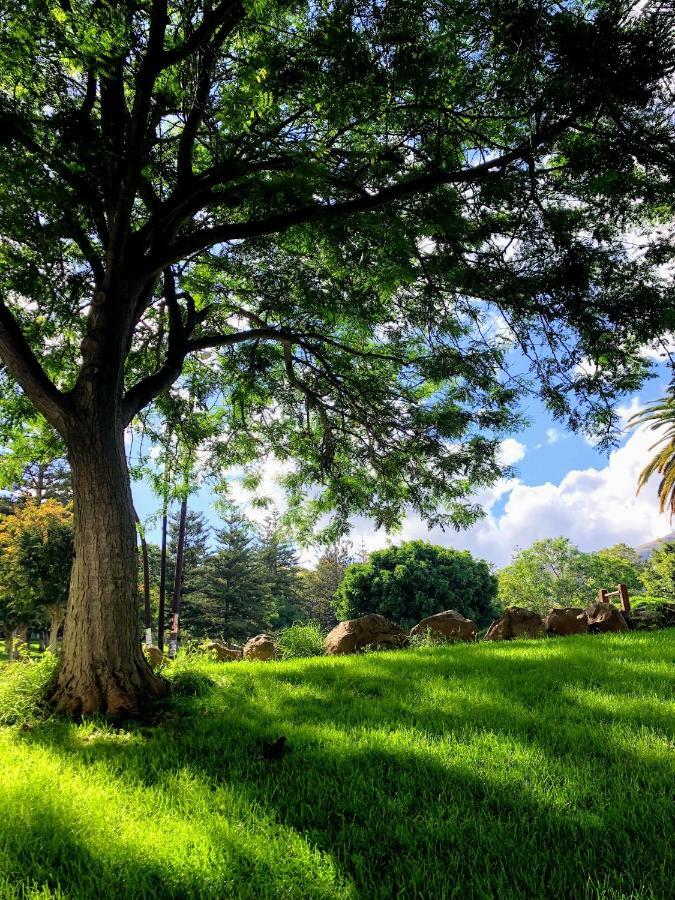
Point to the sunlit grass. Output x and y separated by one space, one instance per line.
534 769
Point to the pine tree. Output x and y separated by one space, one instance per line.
197 534
283 573
322 582
233 598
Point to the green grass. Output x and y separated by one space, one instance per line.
33 651
530 769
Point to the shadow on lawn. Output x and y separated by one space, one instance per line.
436 773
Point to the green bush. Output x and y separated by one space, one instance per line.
647 600
24 687
414 580
300 640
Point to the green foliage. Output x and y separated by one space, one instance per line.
279 562
320 584
232 595
389 752
23 689
648 600
660 418
300 640
36 553
416 579
313 225
659 576
553 572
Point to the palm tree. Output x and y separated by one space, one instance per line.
660 416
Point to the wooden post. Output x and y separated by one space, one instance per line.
625 601
603 595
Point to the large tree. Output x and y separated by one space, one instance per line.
317 208
555 572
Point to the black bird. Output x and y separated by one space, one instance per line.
275 750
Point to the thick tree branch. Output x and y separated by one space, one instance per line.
227 14
203 238
23 366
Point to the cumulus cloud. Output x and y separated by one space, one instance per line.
511 451
594 507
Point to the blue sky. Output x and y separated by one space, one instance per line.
562 486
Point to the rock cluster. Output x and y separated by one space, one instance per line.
566 620
446 626
368 631
516 622
605 617
261 647
222 652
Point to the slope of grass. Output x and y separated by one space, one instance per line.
532 769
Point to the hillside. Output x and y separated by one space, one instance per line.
644 551
504 770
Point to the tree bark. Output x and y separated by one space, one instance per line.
162 584
103 668
147 609
10 634
56 614
178 582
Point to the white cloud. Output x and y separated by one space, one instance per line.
593 507
553 436
511 451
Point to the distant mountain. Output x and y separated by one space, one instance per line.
645 550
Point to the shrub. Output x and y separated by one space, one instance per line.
647 600
300 640
23 689
414 580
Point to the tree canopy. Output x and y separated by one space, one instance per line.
554 572
321 208
408 582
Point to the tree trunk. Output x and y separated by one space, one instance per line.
178 582
147 609
56 614
103 668
21 640
10 634
162 584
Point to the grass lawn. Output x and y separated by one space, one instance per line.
531 769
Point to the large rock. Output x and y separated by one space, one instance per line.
605 617
261 646
368 631
222 652
447 626
566 620
515 623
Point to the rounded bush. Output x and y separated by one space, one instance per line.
414 580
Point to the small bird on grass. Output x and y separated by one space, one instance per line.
275 750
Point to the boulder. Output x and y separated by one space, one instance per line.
155 656
222 652
261 646
368 631
515 623
447 626
605 617
566 620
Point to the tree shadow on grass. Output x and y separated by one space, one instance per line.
434 774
